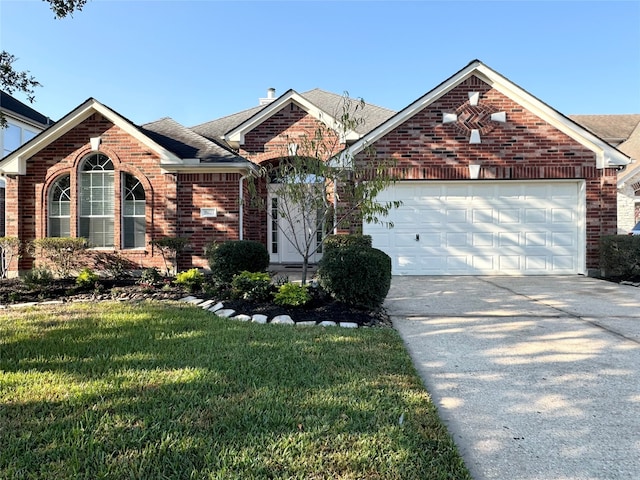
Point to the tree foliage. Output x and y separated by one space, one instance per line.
319 188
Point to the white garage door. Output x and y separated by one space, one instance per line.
484 228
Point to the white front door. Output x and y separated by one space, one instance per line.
289 230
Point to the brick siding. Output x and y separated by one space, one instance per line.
523 148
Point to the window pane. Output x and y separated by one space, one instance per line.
134 232
60 208
12 137
59 227
98 231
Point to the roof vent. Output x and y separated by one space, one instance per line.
271 96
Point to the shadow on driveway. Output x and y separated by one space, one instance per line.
536 377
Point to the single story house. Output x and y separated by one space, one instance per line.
494 181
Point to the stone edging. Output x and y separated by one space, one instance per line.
219 310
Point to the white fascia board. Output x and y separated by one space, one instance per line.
606 155
15 163
236 136
235 167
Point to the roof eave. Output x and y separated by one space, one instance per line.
236 137
15 162
606 155
234 167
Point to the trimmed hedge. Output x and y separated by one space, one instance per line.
232 257
356 275
620 256
343 241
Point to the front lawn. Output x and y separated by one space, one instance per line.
164 390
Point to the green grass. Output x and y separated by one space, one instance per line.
154 391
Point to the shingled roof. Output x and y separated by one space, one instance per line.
326 101
614 129
622 131
186 143
9 104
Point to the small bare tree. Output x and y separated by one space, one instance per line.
9 250
318 189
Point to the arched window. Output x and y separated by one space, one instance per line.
60 207
134 225
96 200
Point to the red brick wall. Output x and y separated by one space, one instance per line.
207 190
27 195
524 147
269 141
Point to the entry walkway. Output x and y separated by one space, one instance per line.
537 378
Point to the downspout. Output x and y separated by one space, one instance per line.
241 208
335 206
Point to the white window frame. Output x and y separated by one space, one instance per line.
136 202
109 216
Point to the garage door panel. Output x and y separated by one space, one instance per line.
493 227
509 216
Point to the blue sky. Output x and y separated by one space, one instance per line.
199 60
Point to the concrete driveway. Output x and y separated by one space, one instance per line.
536 377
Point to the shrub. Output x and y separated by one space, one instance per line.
620 256
292 294
37 277
150 276
170 248
232 257
251 285
86 278
356 275
62 254
191 279
333 242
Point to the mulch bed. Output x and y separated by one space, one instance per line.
321 308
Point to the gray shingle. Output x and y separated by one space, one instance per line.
186 143
326 101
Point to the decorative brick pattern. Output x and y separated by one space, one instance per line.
523 148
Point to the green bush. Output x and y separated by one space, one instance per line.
333 242
292 295
150 276
232 257
356 275
251 285
37 277
191 279
620 256
62 254
86 278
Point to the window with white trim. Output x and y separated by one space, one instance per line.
96 200
134 225
60 207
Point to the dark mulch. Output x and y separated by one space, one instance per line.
321 307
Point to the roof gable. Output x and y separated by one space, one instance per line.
236 136
15 162
606 155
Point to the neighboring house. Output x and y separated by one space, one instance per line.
22 124
623 132
494 180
